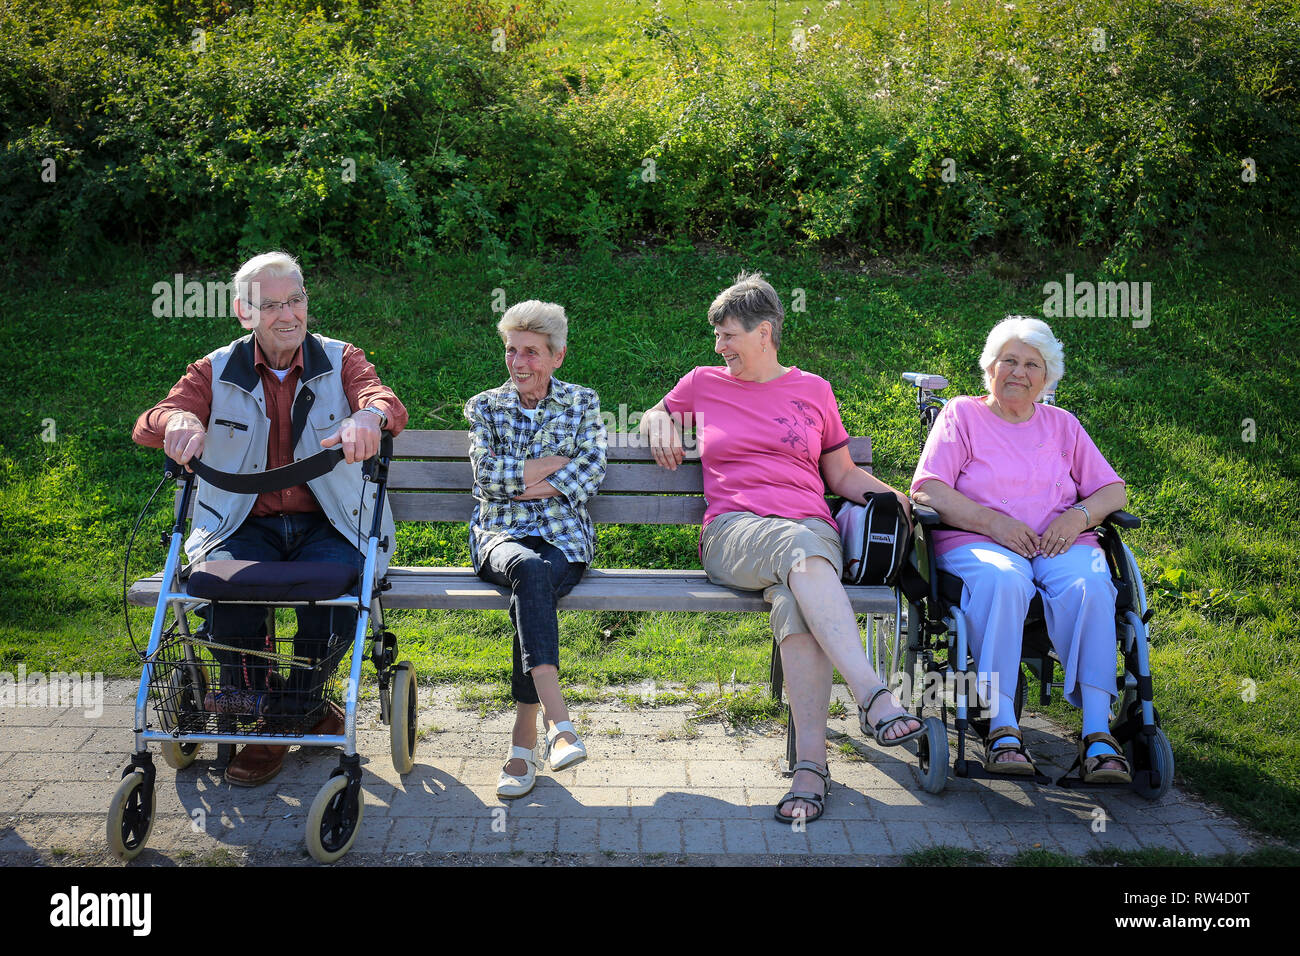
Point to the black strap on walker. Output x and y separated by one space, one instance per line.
298 473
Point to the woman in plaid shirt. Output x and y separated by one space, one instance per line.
537 446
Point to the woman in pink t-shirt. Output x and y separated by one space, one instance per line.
768 434
1025 484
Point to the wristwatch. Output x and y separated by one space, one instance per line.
1086 517
375 409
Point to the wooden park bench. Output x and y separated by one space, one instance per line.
430 480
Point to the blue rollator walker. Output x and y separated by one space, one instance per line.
938 641
266 690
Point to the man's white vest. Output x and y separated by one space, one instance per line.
237 439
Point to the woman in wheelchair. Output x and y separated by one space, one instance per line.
1024 484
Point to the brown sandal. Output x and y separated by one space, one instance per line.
1088 766
1014 768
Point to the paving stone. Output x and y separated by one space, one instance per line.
661 836
1118 837
648 802
64 767
1075 838
1156 835
533 836
1199 839
943 833
869 837
743 836
48 740
446 835
993 838
908 836
578 835
788 838
702 836
490 836
619 836
827 836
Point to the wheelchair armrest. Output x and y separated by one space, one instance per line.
1122 519
925 515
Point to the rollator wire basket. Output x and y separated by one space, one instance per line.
201 686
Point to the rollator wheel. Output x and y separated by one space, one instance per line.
334 820
130 817
1159 758
178 756
403 715
932 755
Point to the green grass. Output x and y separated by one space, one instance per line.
1165 404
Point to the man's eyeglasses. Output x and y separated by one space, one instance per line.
294 302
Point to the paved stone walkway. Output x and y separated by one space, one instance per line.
657 786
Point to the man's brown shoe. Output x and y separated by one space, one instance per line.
255 764
333 723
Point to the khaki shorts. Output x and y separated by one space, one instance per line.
742 550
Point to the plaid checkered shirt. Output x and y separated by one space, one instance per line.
502 438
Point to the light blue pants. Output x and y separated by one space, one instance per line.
1078 606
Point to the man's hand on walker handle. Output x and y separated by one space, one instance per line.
359 434
183 438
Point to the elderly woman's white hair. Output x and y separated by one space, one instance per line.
1033 332
268 265
544 318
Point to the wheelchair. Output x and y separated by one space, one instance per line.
935 649
267 690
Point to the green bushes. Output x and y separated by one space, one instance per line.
389 128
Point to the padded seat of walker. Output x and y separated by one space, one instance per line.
270 581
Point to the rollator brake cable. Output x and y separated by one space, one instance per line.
126 565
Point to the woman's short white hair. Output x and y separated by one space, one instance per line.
1033 332
268 265
544 318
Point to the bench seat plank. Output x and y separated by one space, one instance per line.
616 589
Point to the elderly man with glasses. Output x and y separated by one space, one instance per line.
265 400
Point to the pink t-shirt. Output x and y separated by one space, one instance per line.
1032 471
761 442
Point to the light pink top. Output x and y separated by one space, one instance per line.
761 442
1032 471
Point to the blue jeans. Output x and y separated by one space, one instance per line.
538 575
297 537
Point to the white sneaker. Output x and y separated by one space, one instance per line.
510 786
561 754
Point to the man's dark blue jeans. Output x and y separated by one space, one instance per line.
538 575
295 537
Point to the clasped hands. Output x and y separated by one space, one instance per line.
1015 535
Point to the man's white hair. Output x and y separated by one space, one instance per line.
268 265
1033 332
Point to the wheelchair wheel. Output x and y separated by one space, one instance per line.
178 756
1022 693
130 817
403 714
333 820
1159 758
932 755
